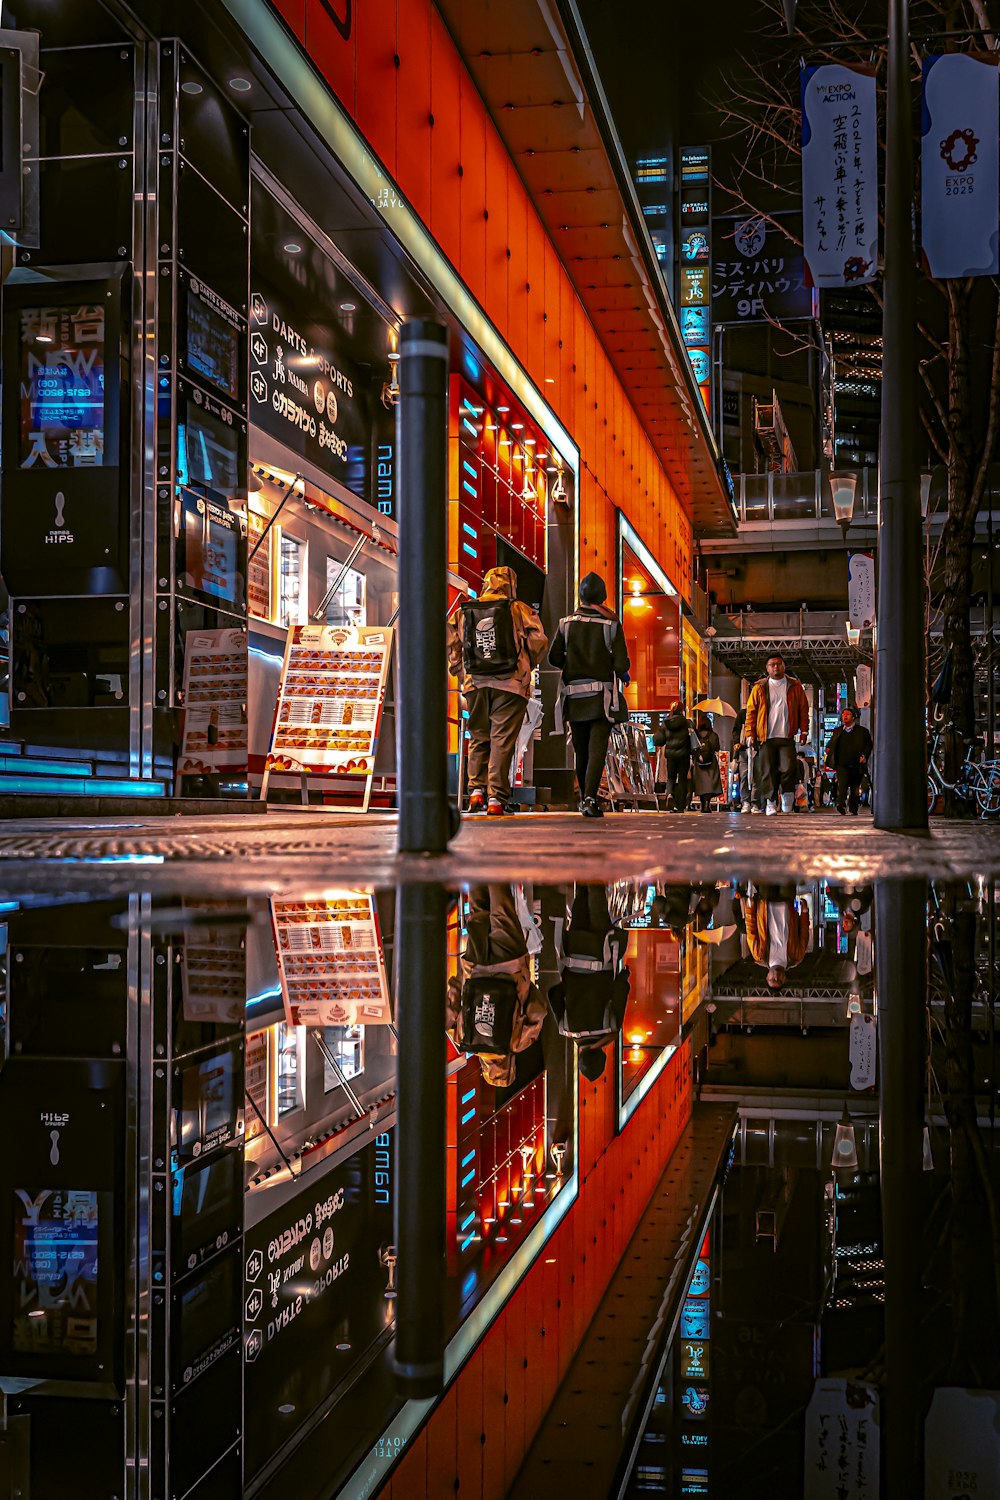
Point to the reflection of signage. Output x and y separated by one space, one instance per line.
694 246
863 1045
694 1359
306 391
694 325
207 1113
55 1257
330 961
257 1083
962 1445
258 566
330 700
842 1442
694 1314
700 365
214 736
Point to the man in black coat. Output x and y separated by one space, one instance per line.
590 648
849 753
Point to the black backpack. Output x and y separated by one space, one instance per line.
489 1005
490 646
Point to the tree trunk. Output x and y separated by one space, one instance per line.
960 526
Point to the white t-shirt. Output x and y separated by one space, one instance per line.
777 934
777 710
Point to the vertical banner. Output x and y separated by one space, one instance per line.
839 174
861 590
959 165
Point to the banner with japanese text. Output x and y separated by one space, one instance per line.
959 165
839 174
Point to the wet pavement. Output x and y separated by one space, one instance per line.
679 1150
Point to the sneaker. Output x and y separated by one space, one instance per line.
787 802
842 810
495 808
591 808
477 801
745 807
771 808
670 804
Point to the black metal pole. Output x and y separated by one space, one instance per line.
901 970
421 987
900 760
421 739
990 688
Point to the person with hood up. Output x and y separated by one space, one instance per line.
777 711
589 647
590 998
673 757
493 1007
707 776
849 754
494 643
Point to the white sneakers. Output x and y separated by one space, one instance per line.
745 808
787 802
771 808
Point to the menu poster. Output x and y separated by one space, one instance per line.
257 1081
330 961
214 736
330 700
258 566
215 973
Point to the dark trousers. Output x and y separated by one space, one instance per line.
743 766
678 777
849 779
778 768
590 747
495 719
495 935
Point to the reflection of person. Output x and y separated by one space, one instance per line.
591 995
777 711
494 642
849 754
707 778
496 1010
777 934
677 906
673 760
591 651
851 901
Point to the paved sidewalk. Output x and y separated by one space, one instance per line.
313 849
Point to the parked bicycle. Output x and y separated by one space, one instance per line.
977 781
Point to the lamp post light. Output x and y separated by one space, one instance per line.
843 488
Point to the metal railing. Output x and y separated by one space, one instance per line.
800 497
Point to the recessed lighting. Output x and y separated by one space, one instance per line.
343 1346
549 380
503 408
292 248
348 307
517 426
286 1409
43 338
529 442
191 87
393 356
241 85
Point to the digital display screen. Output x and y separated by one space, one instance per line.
55 1271
213 345
694 325
62 387
210 537
207 1115
207 451
695 1318
694 1359
699 364
207 1203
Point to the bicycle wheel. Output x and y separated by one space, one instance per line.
987 788
932 794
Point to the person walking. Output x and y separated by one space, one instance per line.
494 642
493 1006
777 710
742 757
707 776
849 755
590 650
674 740
591 996
777 931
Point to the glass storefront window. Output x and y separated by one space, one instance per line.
348 605
291 1070
291 572
347 1047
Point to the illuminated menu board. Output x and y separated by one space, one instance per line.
330 961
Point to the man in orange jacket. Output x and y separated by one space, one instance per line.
777 711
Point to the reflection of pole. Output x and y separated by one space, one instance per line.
900 798
990 690
422 723
901 966
418 1356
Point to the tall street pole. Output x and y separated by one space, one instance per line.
900 736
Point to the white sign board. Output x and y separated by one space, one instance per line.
863 686
962 1445
839 174
959 163
861 590
864 1051
842 1442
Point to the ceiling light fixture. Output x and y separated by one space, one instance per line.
241 85
292 248
191 87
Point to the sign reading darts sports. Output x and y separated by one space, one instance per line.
959 163
839 175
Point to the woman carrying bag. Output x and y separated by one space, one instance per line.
674 740
705 763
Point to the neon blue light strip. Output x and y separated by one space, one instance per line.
470 426
467 1178
470 468
267 655
14 905
469 1156
469 406
44 767
264 997
471 488
470 550
467 1117
467 1242
469 530
82 786
469 1218
470 1095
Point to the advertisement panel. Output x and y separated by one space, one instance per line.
330 961
758 271
959 164
839 174
214 736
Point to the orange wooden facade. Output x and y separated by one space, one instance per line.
401 78
478 1436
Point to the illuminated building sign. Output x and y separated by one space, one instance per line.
695 163
694 246
694 325
694 287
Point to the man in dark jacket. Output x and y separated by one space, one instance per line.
849 753
590 648
591 997
673 760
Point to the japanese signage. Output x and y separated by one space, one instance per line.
317 1271
62 387
330 700
695 256
214 736
758 274
861 590
304 388
842 1442
959 163
839 174
258 566
863 1050
330 961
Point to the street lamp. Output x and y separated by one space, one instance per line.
842 490
845 1144
925 494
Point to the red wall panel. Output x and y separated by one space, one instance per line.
446 83
374 31
472 250
413 111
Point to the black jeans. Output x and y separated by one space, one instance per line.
590 747
779 768
849 779
678 774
